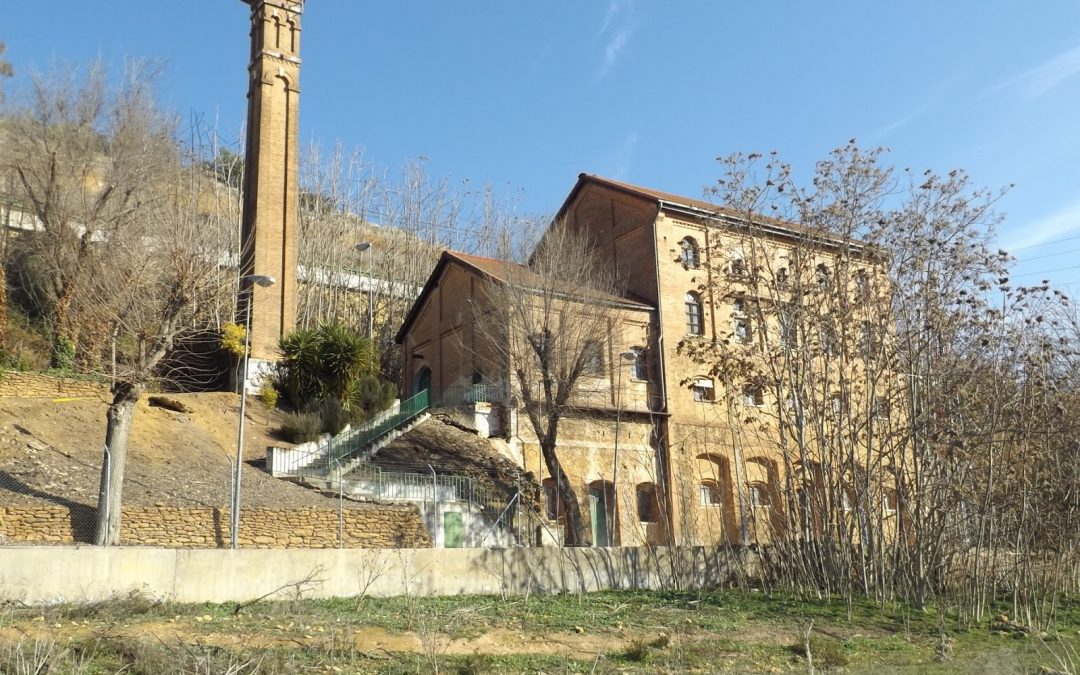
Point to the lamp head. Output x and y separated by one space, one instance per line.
259 280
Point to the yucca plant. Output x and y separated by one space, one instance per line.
325 362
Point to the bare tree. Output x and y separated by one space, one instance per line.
911 396
84 157
6 71
165 276
403 218
546 324
132 238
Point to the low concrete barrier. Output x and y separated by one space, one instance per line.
41 574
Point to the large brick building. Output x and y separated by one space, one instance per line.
687 436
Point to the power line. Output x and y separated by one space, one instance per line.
1045 272
1051 255
1046 243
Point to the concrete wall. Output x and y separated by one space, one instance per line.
89 574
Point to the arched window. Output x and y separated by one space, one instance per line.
709 493
759 495
781 277
690 253
821 275
737 265
694 323
703 390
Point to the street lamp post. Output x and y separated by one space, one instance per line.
630 356
251 280
361 247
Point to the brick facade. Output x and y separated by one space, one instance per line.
270 190
717 465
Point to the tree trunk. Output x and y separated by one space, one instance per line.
120 414
63 339
576 532
3 303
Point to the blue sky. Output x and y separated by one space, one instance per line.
525 96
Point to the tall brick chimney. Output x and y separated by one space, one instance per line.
268 242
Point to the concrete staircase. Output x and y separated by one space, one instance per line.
325 460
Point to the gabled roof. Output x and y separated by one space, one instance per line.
498 271
702 208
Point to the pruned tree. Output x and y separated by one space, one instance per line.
164 276
546 324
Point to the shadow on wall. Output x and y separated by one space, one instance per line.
580 570
82 516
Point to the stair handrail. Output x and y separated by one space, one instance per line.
375 428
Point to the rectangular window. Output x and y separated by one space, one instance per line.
646 505
639 367
829 339
703 390
753 395
551 501
870 343
743 331
593 358
693 318
789 335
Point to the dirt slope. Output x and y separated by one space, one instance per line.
50 451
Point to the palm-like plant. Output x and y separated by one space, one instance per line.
330 361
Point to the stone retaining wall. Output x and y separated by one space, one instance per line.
368 526
14 383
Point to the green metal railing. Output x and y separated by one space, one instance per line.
372 431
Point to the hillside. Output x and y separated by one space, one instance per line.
51 452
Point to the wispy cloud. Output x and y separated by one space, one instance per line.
624 156
616 30
1044 77
1060 223
901 122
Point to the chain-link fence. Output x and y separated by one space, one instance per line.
49 495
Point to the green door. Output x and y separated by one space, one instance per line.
598 516
453 530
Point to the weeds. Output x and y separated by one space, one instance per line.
710 632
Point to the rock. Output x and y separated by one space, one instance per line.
168 404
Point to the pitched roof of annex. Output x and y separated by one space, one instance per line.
506 272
